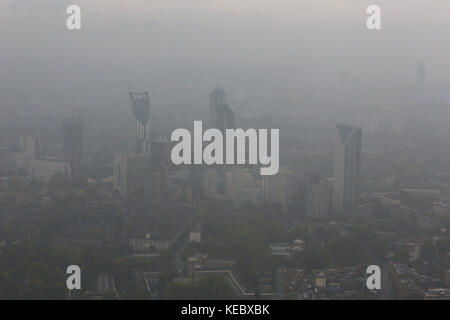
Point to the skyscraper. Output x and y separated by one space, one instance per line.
242 187
4 161
347 163
278 188
73 147
140 113
319 196
221 116
160 154
421 77
31 147
210 182
133 170
132 173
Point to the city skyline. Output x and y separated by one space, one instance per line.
244 152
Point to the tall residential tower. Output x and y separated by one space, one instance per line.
220 115
140 109
347 164
421 77
73 147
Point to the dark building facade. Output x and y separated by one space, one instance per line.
221 116
73 147
347 167
140 109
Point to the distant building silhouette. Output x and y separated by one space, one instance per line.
131 174
241 187
4 161
31 147
347 164
73 147
221 116
44 170
319 196
210 182
278 188
160 155
421 77
140 114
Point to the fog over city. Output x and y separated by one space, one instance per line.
179 49
363 176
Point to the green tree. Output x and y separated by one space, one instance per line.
315 256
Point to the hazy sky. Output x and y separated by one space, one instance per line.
163 45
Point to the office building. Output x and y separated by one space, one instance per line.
242 187
278 188
139 121
421 77
73 147
221 116
346 171
160 153
44 170
4 161
210 182
132 174
319 194
31 147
